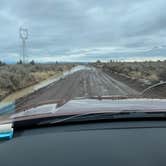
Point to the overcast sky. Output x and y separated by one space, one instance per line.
84 30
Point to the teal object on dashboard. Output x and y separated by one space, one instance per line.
6 131
8 135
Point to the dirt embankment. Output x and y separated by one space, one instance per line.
139 75
133 83
19 76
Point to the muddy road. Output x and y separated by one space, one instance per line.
83 83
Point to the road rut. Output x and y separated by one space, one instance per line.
83 83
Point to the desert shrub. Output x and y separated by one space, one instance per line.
18 76
152 71
162 75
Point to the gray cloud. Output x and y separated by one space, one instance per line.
114 28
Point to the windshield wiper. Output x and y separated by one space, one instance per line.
91 117
108 116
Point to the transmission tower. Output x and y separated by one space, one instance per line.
23 37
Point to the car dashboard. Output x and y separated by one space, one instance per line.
110 143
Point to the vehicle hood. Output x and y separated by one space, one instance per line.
82 106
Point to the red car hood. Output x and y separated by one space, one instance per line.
82 106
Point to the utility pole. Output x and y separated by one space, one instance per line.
23 37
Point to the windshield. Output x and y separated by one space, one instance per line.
58 50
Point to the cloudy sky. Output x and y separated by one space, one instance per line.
84 30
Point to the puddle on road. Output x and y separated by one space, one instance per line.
42 84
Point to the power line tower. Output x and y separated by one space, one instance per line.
23 37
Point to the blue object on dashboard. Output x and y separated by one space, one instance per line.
8 135
6 131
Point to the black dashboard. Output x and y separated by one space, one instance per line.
118 143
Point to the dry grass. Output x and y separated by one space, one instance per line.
43 75
146 72
19 76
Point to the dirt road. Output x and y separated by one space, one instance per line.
84 83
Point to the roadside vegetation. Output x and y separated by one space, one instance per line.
18 76
144 73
